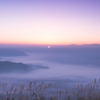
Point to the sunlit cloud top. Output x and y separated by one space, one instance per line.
50 21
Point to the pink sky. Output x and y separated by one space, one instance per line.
50 22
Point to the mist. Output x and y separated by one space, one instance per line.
70 64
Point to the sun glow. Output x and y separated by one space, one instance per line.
48 46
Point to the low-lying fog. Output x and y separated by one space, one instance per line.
56 65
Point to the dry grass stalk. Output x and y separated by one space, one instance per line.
42 92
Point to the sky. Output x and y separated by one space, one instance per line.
56 22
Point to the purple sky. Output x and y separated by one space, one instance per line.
50 21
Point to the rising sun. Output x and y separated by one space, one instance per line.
48 46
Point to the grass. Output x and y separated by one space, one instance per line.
36 91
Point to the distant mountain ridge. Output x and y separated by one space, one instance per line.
7 67
11 52
12 67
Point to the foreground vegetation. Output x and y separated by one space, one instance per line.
35 91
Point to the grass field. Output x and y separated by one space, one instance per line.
34 91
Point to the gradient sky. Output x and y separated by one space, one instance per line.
50 21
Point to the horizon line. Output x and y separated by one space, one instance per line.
48 44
